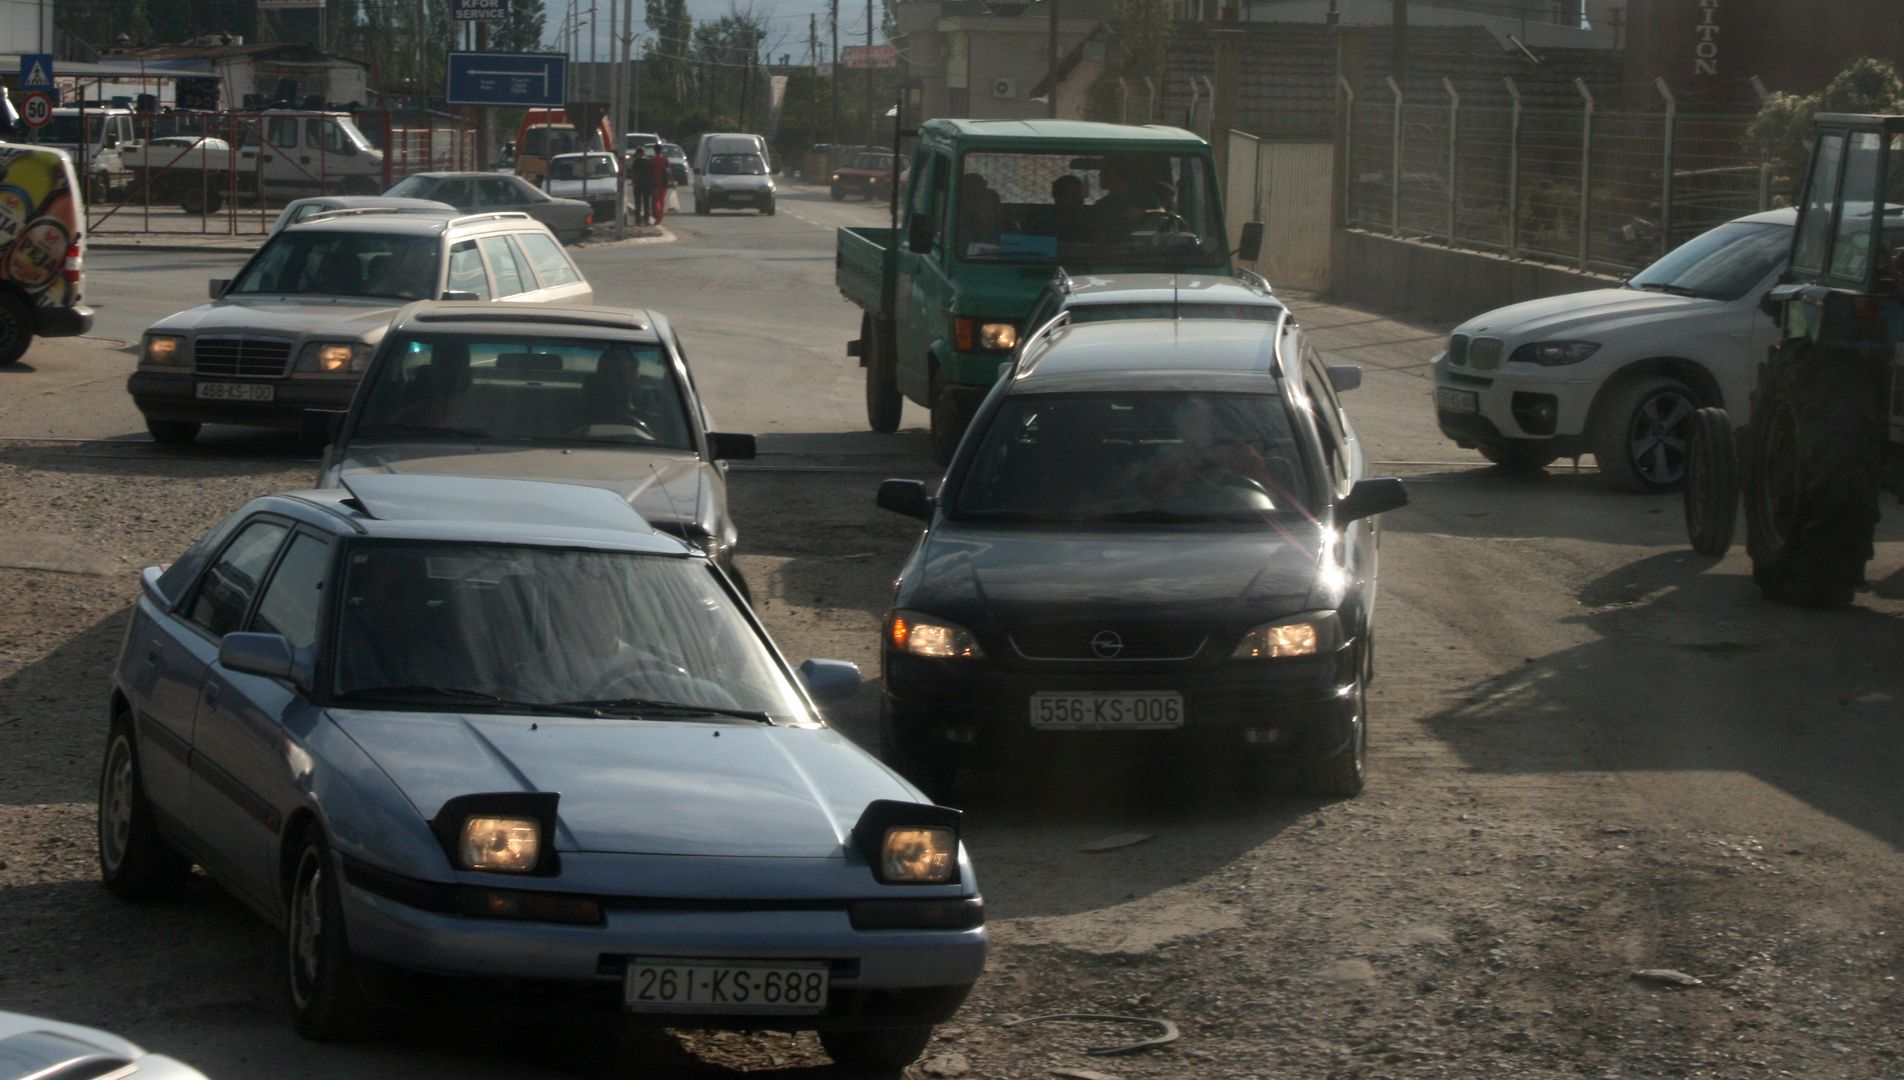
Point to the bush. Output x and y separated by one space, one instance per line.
1781 132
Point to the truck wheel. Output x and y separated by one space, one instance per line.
16 328
883 402
1518 455
948 420
194 201
1712 483
1813 457
1639 436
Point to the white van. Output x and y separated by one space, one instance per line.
728 142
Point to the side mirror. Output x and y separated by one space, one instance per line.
319 427
269 655
1345 377
218 286
830 681
1370 497
1251 244
906 497
458 294
919 234
731 446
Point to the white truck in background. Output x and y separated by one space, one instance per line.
96 153
281 155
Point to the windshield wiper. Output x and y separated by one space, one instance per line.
640 706
1668 287
462 696
393 427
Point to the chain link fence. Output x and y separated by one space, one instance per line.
1587 188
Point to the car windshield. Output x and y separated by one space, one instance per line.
1721 264
342 264
737 165
873 161
1137 457
526 389
464 625
587 167
547 141
674 151
1133 211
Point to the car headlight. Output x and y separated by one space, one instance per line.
836 176
920 636
970 334
909 843
1299 635
508 832
335 357
1555 353
163 349
998 335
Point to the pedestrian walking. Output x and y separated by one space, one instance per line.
641 172
662 172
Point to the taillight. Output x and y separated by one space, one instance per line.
72 263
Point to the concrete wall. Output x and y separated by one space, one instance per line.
1437 285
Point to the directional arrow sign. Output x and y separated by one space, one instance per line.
508 78
36 71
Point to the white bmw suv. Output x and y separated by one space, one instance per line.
1618 372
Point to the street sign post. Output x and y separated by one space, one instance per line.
468 10
36 108
507 79
36 71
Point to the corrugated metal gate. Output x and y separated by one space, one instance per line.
1287 184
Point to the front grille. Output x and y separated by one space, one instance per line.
1484 354
1458 350
1090 642
258 358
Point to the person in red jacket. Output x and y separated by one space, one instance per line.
663 180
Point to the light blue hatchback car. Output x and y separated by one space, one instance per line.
504 730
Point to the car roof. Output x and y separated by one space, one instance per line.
487 510
1162 288
412 223
639 324
1075 134
345 202
1784 216
1154 350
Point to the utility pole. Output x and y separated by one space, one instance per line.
1051 54
833 89
615 96
1398 59
872 123
813 44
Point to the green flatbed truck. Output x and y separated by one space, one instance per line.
991 209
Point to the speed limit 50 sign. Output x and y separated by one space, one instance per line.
36 108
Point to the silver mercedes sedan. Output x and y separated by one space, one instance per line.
505 731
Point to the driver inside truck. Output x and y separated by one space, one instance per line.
1133 193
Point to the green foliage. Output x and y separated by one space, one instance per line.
522 30
100 22
1143 35
1781 132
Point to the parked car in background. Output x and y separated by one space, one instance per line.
593 178
1618 372
445 727
297 327
734 180
597 396
35 1049
304 209
473 192
1157 535
677 163
870 175
42 277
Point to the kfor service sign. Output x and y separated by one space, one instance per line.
479 9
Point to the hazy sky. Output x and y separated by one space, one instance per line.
786 22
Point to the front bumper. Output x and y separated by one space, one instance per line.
977 711
889 976
1511 405
173 396
743 197
51 321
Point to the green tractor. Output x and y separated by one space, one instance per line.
1825 437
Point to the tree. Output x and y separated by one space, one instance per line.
100 22
522 30
1781 132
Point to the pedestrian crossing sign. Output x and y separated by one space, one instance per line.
36 71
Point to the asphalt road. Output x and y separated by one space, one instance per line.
1592 753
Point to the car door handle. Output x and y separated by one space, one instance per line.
152 654
212 690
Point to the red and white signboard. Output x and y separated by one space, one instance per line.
36 108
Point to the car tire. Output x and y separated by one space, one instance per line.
1812 458
838 195
936 775
172 432
320 977
883 400
1712 483
1344 773
1518 455
702 206
948 420
134 862
194 201
876 1050
1640 431
16 328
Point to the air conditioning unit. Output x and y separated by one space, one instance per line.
1004 88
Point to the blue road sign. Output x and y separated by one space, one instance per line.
508 79
36 71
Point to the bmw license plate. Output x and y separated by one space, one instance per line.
236 391
1450 400
667 984
1121 711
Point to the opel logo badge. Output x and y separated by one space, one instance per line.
1107 644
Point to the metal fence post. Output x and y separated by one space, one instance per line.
1196 94
1395 167
1123 101
1150 107
1513 169
1348 150
1586 164
1666 167
1454 140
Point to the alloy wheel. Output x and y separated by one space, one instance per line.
1657 437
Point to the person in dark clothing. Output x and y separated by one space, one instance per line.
641 172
